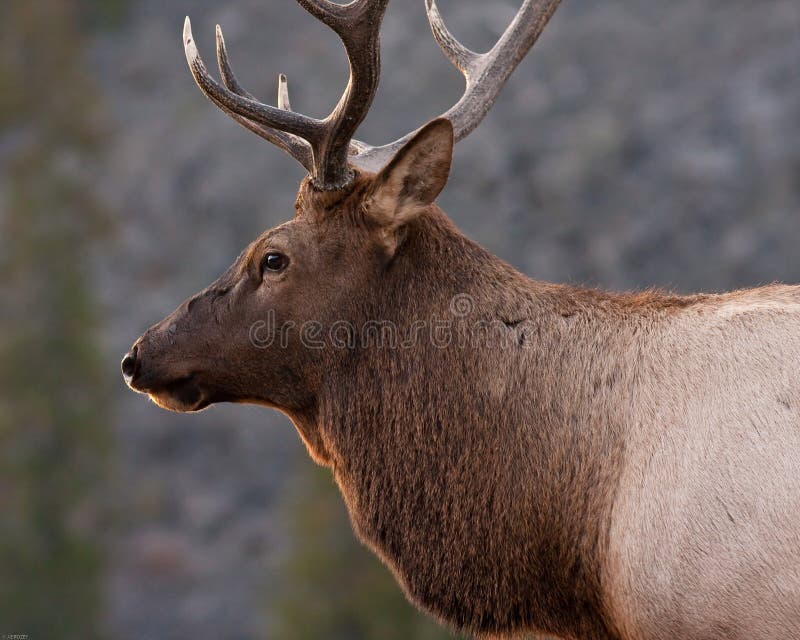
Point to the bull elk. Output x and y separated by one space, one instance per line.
524 456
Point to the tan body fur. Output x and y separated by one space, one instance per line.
705 532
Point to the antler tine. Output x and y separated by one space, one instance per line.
283 128
290 122
225 69
485 74
296 147
488 73
283 93
461 57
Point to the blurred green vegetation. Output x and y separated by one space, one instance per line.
53 407
332 587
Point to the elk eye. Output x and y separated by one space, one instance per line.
274 262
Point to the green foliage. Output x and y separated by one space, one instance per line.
53 438
333 588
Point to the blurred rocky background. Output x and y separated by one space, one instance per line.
644 143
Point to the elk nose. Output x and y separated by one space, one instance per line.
129 363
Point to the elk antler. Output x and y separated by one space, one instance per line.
324 147
485 74
319 145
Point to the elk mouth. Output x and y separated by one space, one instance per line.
182 395
174 392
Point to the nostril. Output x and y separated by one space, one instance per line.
129 363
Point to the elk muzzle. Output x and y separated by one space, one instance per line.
151 368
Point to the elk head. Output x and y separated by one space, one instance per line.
241 339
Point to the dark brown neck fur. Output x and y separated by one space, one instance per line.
484 473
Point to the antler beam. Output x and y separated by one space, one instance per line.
326 148
485 74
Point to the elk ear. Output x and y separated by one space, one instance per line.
413 179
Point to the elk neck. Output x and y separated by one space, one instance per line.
491 458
